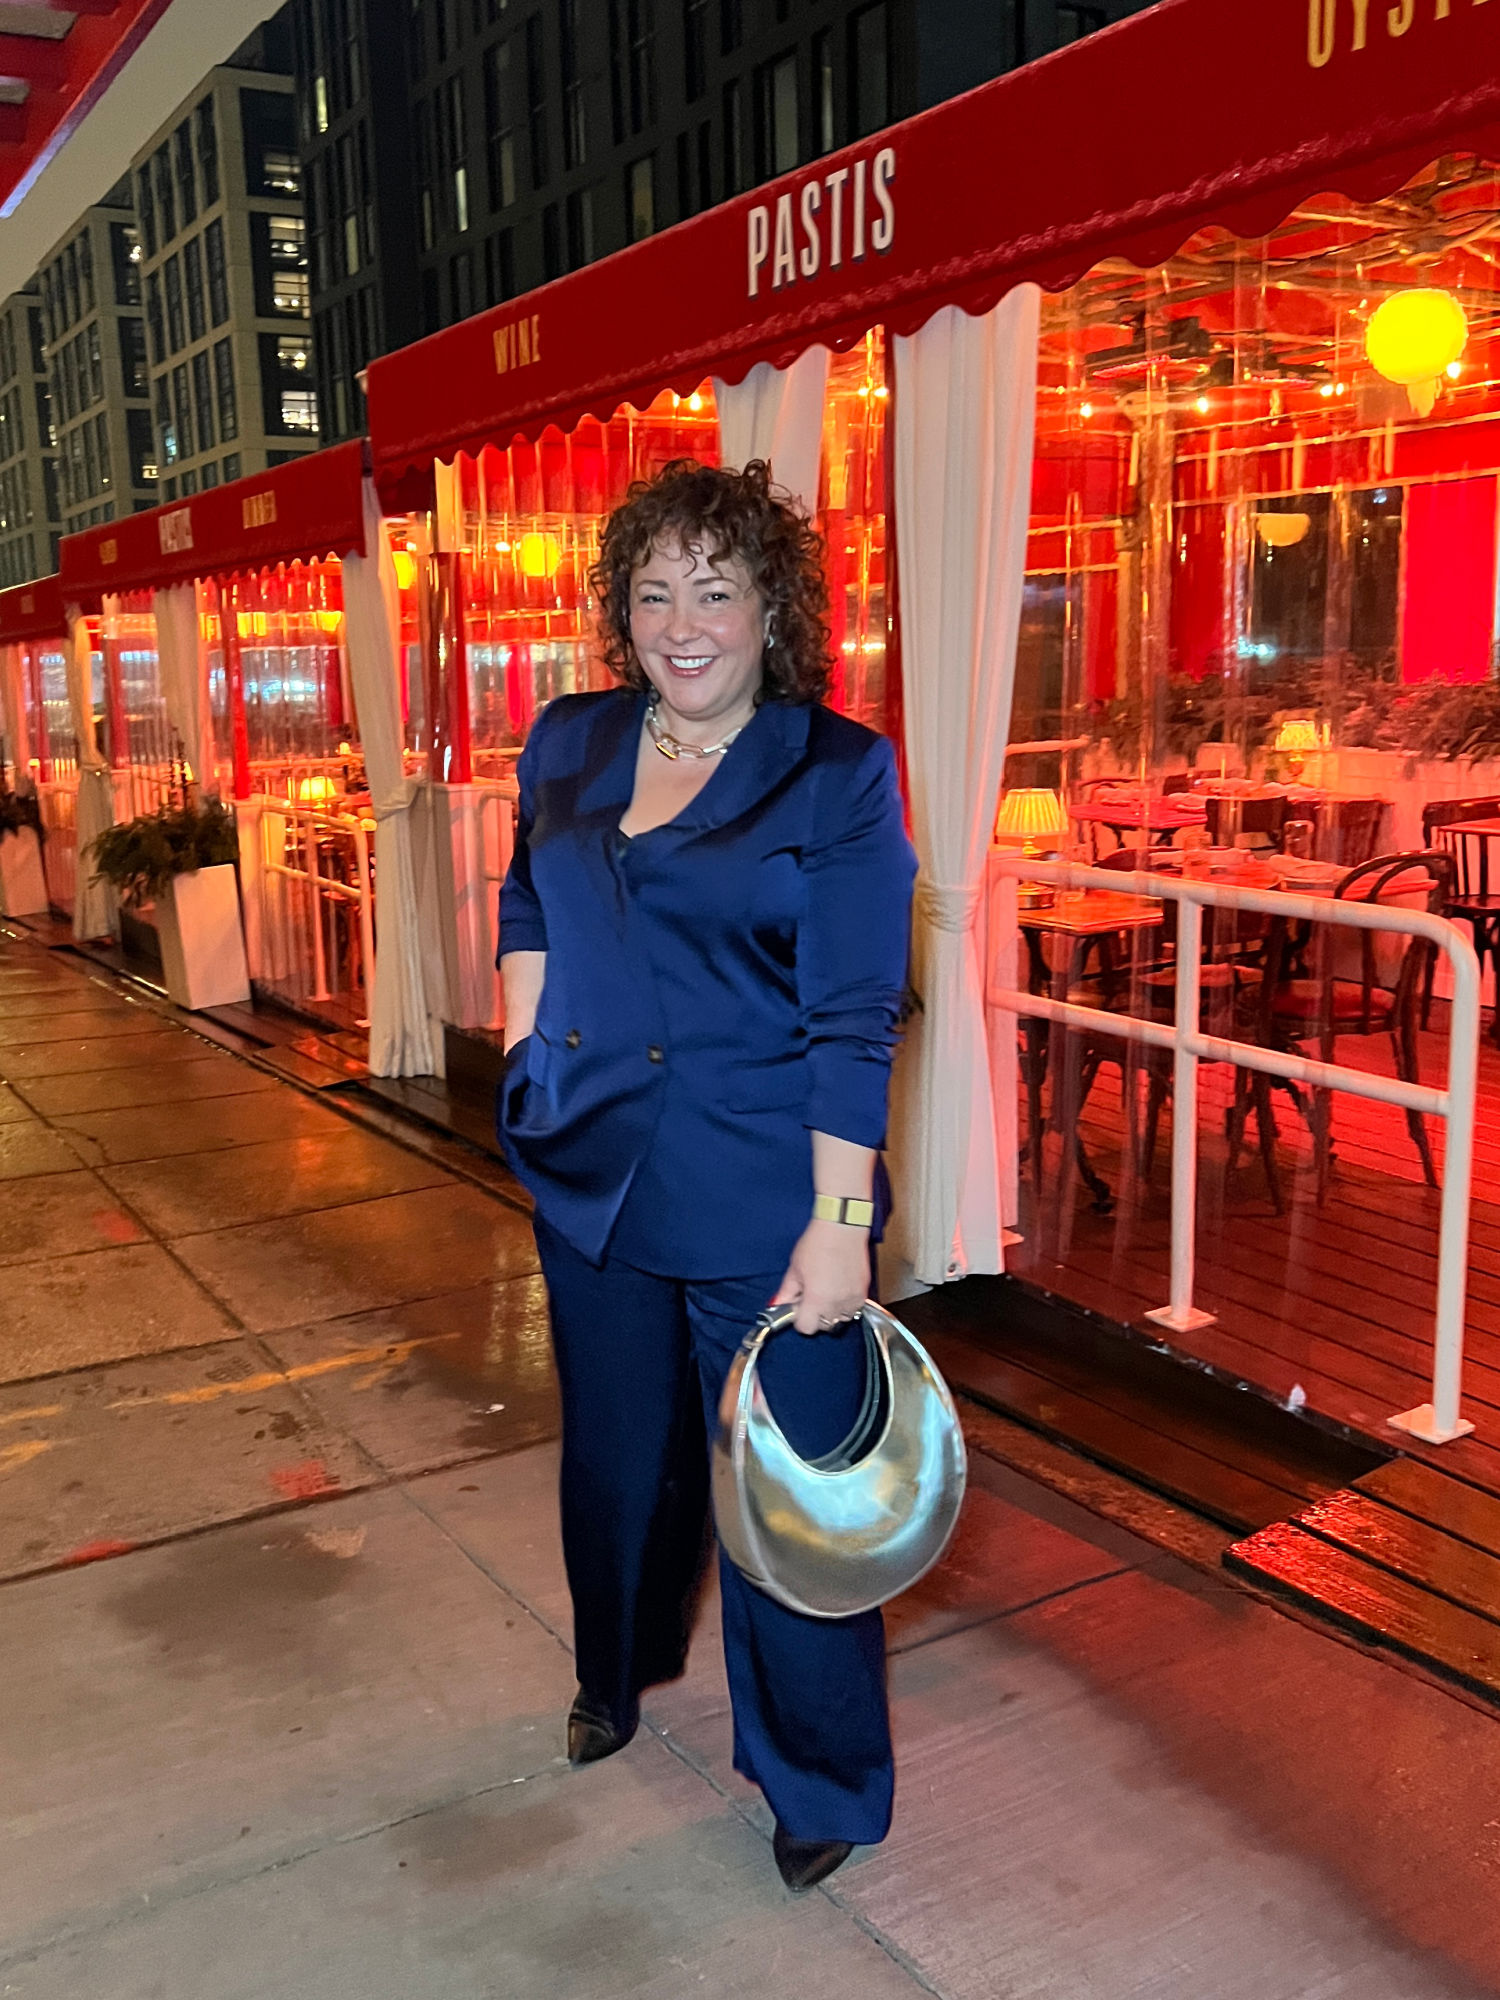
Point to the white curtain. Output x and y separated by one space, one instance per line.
965 394
183 661
777 414
402 1035
93 901
13 721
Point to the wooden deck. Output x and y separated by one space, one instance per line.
1334 1305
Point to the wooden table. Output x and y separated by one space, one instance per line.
1160 817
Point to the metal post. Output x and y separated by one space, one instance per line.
320 963
1439 1422
1181 1316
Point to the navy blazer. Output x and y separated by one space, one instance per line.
716 988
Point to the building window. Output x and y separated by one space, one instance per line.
499 138
145 208
154 321
164 424
461 199
776 95
1074 22
218 277
731 26
293 353
552 263
575 135
822 51
289 293
208 151
580 220
86 271
231 468
192 285
102 453
125 256
320 103
182 413
640 197
734 138
640 39
500 267
166 199
269 123
133 356
187 191
299 410
281 172
224 396
869 70
695 48
536 101
189 485
461 285
209 476
141 446
203 398
176 336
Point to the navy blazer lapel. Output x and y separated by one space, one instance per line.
772 743
604 791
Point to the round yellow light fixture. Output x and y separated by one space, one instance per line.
539 555
1282 531
1413 338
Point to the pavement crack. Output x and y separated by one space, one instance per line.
1012 1610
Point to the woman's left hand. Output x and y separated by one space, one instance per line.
828 1277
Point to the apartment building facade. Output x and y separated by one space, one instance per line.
94 346
224 276
458 152
30 516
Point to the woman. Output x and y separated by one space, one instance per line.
703 944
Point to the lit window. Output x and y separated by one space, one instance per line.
299 410
281 172
320 102
293 353
289 292
461 199
288 238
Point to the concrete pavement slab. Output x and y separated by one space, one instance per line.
188 1194
87 1055
204 1075
53 1215
468 1374
29 1147
628 1881
377 1253
72 995
504 1515
221 1705
66 1023
108 1458
12 1110
201 1125
104 1305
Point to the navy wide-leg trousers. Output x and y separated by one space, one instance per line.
642 1362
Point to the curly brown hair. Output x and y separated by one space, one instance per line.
715 511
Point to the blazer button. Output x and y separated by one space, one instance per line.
655 1054
572 1038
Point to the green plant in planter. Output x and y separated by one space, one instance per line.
141 858
17 811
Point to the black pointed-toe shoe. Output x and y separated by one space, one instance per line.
806 1863
592 1736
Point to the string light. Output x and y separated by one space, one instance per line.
1201 406
1086 410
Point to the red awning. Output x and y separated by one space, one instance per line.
58 60
32 611
311 507
1192 112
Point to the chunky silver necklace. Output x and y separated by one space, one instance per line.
672 747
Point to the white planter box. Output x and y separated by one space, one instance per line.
23 886
202 942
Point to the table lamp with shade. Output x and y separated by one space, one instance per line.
1037 818
1296 739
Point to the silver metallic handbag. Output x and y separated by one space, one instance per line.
847 1531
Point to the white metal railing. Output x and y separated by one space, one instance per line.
497 822
1439 1421
313 825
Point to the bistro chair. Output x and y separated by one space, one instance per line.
1473 902
1348 830
1228 817
1293 1012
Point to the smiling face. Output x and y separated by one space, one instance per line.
699 631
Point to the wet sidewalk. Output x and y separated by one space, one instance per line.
284 1644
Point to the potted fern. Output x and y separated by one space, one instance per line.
181 861
23 885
